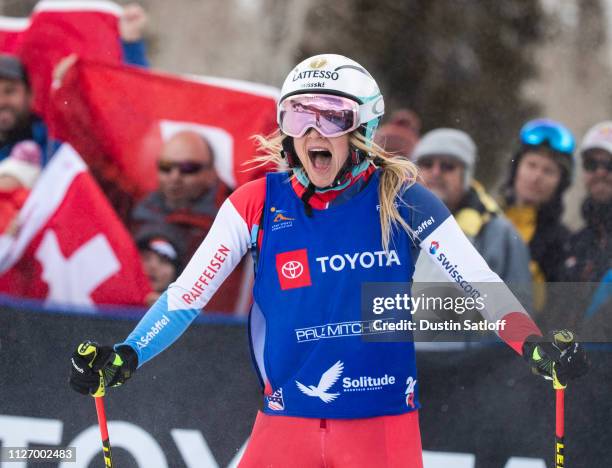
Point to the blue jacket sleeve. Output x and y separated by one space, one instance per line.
426 211
158 329
135 53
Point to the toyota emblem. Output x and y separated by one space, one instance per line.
292 269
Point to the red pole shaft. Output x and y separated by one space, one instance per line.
560 420
560 428
101 417
106 448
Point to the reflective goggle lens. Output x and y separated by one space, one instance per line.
330 115
542 131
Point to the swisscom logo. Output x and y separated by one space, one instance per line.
292 269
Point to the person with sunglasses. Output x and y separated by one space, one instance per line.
588 264
446 158
186 203
540 172
189 193
340 212
590 257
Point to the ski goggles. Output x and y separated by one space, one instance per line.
544 131
330 115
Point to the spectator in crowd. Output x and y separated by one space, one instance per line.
446 159
189 194
185 205
400 133
131 31
540 172
161 260
586 300
18 173
17 120
590 252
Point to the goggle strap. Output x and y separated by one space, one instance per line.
371 110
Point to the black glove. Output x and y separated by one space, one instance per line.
560 360
96 367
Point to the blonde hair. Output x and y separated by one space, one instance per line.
397 175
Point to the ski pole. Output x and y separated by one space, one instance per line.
563 340
106 448
560 428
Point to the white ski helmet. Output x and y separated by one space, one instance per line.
340 76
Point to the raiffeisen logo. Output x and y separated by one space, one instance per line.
366 383
355 260
433 247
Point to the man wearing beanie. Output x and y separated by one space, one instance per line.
590 249
446 158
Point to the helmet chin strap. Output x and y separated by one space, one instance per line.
306 196
341 176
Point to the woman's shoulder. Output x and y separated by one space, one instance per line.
248 200
425 210
413 192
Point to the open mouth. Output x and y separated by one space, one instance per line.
320 158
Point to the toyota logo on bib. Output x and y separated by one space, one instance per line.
292 268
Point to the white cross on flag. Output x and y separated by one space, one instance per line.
71 248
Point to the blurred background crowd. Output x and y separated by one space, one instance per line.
506 111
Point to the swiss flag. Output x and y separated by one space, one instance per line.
57 29
118 117
11 33
70 247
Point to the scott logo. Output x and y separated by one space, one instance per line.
292 269
378 108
